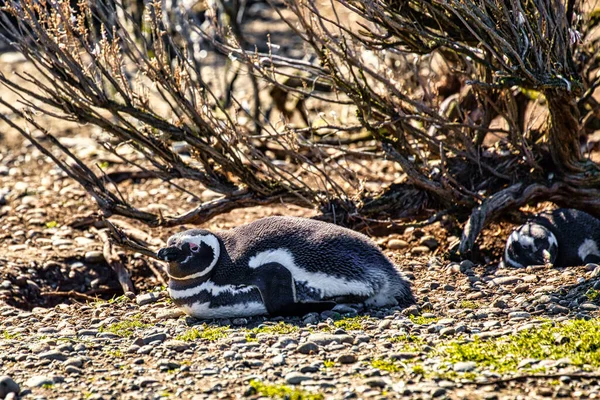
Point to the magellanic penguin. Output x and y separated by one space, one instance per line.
563 237
279 266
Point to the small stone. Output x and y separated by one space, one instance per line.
438 392
417 250
499 304
397 244
308 348
176 345
465 366
71 369
93 257
346 358
519 315
87 332
147 298
376 382
475 295
385 324
294 378
429 241
504 281
522 288
447 331
558 309
324 339
53 355
74 361
403 356
8 385
588 307
156 337
38 381
278 360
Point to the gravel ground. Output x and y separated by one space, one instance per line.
54 344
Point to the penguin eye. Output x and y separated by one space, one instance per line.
194 247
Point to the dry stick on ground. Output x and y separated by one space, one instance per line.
71 294
113 259
533 376
122 240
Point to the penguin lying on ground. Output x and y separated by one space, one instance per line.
563 237
279 266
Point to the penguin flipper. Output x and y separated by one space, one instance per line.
277 289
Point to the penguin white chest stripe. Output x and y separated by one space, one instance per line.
210 287
204 310
329 285
588 247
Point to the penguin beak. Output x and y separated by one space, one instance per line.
170 254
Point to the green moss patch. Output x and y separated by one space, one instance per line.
125 328
351 323
388 365
578 340
283 392
281 328
210 333
421 320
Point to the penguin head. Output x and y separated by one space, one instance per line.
531 244
191 254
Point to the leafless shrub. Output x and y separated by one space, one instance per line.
440 88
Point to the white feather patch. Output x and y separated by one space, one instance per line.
328 285
210 287
204 311
589 247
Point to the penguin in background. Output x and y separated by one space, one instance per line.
563 237
279 266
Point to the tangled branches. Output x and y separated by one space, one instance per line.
441 91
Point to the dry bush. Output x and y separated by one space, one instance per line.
441 91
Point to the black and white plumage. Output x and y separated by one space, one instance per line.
279 265
563 237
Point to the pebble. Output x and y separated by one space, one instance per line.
38 381
324 339
74 361
519 315
308 348
8 385
156 337
397 244
93 257
278 360
376 382
295 378
346 358
417 250
522 288
447 331
147 298
504 281
176 345
588 307
464 366
53 355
